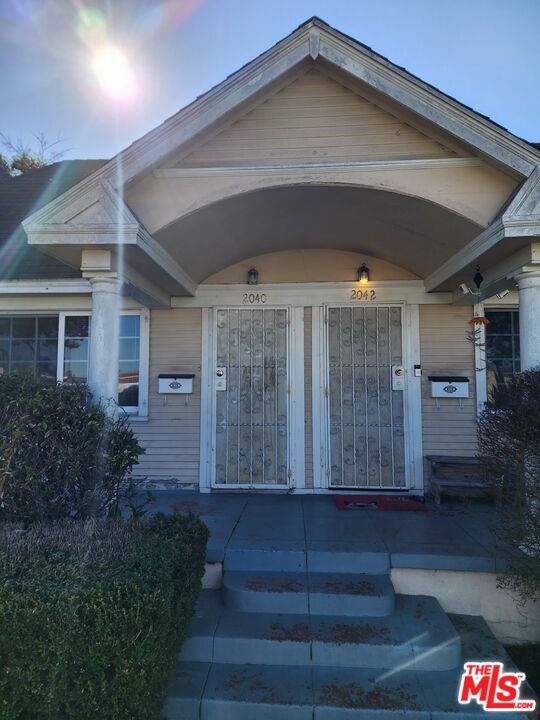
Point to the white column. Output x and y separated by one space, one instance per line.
529 318
104 331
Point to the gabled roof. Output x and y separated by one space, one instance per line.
316 41
27 193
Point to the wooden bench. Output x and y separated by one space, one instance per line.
458 476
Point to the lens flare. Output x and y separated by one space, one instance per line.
114 73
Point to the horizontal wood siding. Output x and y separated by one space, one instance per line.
445 349
308 435
171 436
315 119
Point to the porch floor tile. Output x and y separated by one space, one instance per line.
448 537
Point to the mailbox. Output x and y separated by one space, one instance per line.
449 386
175 383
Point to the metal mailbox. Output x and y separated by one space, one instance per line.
449 386
175 383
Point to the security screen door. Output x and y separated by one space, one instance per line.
252 398
367 447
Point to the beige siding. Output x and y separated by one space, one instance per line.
172 434
445 349
315 119
308 435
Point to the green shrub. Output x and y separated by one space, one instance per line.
93 613
60 456
509 442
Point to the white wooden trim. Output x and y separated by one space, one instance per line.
336 167
144 362
206 452
74 286
480 366
309 294
318 385
296 420
414 453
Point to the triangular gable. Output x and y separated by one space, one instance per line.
92 204
315 119
526 203
314 42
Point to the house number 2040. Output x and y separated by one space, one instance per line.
253 298
363 295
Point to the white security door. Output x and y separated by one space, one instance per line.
366 416
251 398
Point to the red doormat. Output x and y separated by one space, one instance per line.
378 502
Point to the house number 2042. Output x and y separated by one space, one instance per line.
254 298
363 295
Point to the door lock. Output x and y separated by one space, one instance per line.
221 381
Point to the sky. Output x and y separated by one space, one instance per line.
99 75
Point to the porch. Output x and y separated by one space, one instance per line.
447 537
309 611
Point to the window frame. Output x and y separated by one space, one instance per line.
139 412
481 355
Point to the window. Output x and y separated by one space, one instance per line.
56 348
502 347
76 356
29 343
76 348
129 360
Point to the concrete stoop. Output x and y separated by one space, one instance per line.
301 645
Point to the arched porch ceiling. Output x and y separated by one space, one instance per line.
411 233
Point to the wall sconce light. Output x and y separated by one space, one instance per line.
252 276
363 275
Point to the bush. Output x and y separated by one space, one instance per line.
60 456
509 441
92 614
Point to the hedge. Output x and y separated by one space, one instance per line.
92 615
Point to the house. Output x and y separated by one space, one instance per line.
286 255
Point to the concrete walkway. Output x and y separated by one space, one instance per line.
447 537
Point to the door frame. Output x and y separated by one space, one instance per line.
412 399
295 401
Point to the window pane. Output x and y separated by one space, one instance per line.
23 350
128 395
77 326
47 350
5 327
47 327
24 327
129 349
128 384
75 371
46 371
499 346
76 349
22 367
4 351
129 326
500 322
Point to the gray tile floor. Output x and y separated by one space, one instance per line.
451 536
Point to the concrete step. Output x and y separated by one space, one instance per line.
302 593
240 691
297 558
417 635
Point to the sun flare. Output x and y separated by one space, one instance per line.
114 73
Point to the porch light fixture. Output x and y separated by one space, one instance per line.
252 276
362 274
478 278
